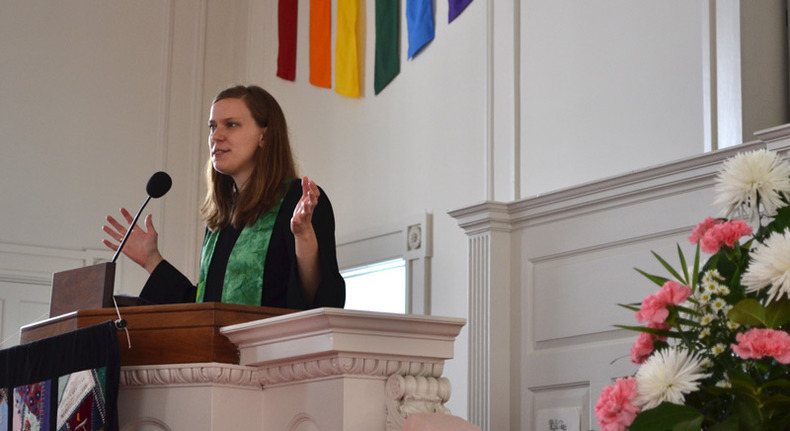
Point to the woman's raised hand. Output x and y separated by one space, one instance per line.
142 245
306 243
301 221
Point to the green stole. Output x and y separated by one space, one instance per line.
244 274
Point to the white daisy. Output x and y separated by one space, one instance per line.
712 287
718 304
704 297
714 274
723 384
668 375
748 178
718 349
770 266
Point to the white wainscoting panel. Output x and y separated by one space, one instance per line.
551 307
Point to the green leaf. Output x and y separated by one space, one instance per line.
654 331
696 270
654 278
669 268
750 417
778 401
690 425
683 265
668 416
777 313
632 307
782 383
729 424
686 310
687 322
742 383
748 312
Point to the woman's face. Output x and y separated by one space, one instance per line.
234 138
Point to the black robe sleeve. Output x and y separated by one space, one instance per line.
167 285
280 284
331 292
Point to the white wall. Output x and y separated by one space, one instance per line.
608 87
513 99
96 97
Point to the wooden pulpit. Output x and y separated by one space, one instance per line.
163 334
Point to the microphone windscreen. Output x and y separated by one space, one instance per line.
158 184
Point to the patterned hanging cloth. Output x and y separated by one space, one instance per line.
346 55
419 22
286 28
321 43
68 381
387 47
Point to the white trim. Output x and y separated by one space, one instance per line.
728 73
393 242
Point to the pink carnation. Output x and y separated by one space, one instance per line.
724 234
673 293
615 408
653 310
701 228
759 342
642 348
654 307
645 344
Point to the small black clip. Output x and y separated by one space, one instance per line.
120 324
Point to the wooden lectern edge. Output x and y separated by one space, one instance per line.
163 334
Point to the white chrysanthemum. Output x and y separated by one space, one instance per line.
668 375
704 333
732 325
770 266
748 178
707 319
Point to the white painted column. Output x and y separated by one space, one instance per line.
492 396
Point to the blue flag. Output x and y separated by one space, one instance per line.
419 21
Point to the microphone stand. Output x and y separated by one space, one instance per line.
129 231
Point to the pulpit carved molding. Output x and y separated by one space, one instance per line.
345 366
190 374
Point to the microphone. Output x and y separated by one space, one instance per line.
157 186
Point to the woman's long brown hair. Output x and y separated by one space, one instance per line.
274 164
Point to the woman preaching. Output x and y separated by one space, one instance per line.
270 236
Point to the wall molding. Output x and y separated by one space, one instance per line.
499 248
29 264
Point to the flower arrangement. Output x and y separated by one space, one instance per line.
714 349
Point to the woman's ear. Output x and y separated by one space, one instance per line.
263 135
